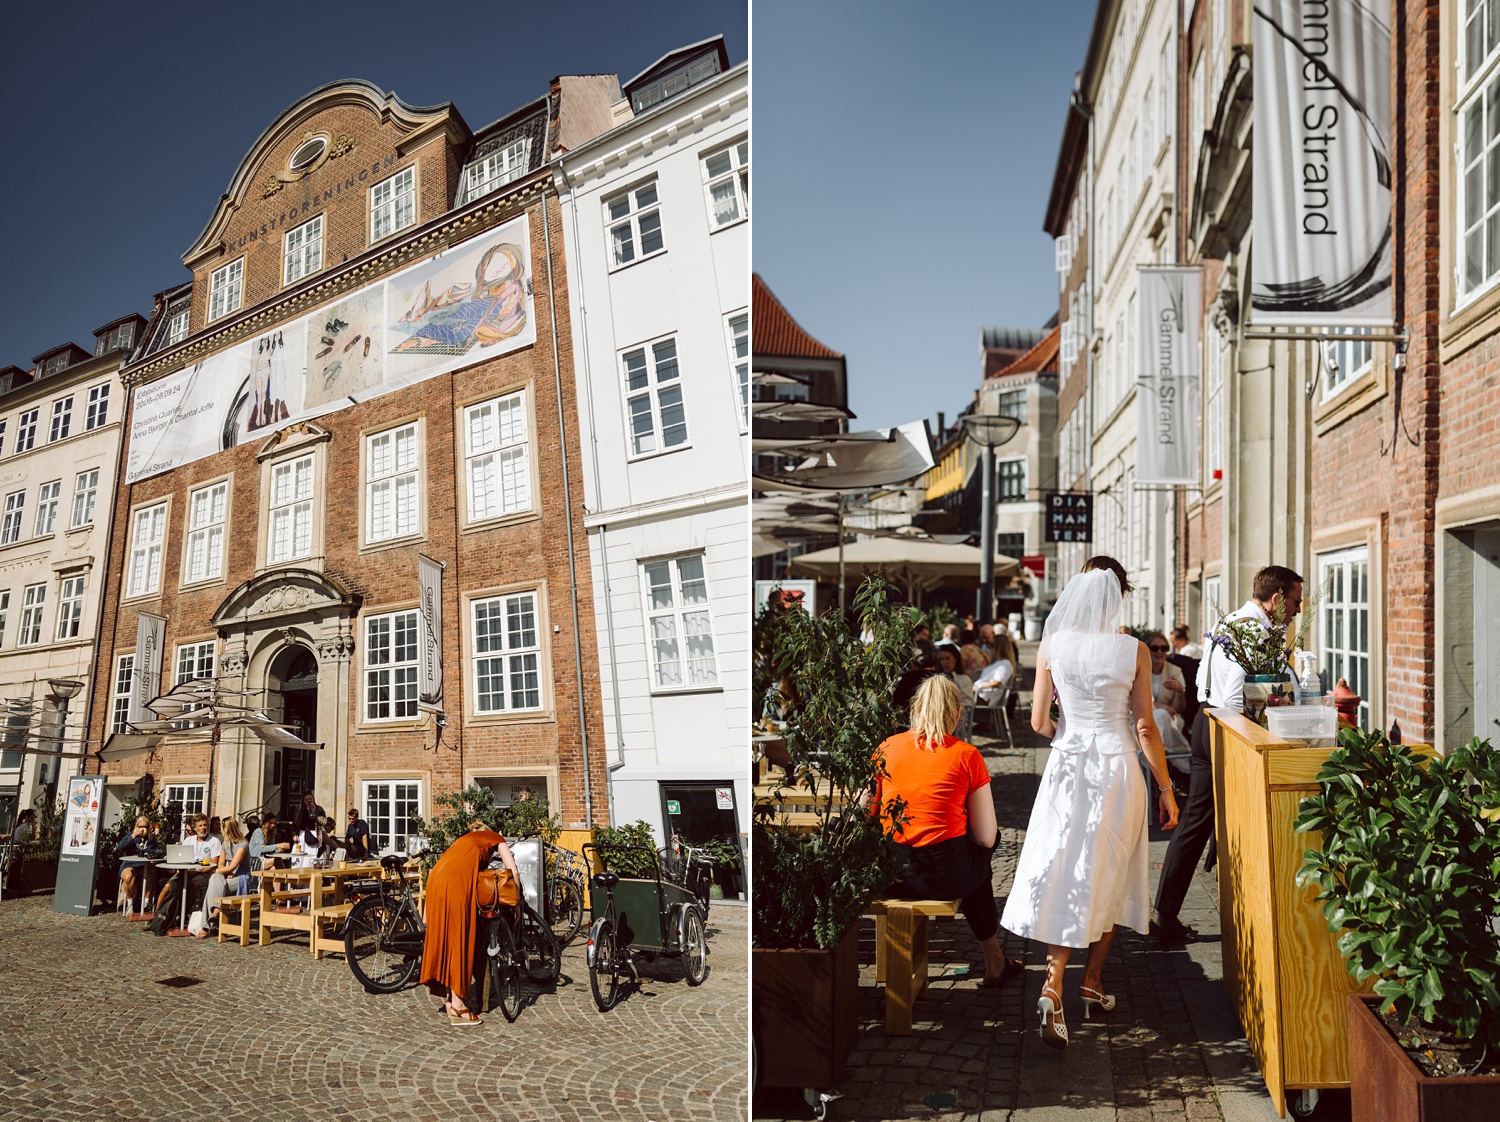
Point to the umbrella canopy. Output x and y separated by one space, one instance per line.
912 562
852 461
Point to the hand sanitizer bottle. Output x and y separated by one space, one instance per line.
1309 684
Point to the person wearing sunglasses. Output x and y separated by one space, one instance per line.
1168 692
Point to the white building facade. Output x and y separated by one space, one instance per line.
655 213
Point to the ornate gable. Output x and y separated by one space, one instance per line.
283 594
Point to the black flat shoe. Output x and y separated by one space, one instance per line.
1172 930
1013 969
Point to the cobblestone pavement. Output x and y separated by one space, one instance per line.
86 1032
1172 1050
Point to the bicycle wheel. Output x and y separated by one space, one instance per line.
539 949
604 971
565 910
694 948
505 969
371 923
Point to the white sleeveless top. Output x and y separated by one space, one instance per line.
1093 674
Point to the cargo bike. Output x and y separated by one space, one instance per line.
641 909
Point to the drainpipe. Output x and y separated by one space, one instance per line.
562 444
588 402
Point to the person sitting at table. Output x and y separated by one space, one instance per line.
133 856
357 837
216 828
950 666
231 875
307 825
205 848
1168 693
452 918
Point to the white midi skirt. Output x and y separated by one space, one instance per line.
1083 865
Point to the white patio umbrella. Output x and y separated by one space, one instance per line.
914 562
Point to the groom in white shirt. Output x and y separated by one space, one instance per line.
1221 685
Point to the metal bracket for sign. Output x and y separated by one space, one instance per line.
1165 488
1328 335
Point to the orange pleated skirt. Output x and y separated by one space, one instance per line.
448 950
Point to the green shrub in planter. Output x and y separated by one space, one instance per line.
1409 877
629 862
835 692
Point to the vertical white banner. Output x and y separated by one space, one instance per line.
1322 164
430 632
1166 401
145 678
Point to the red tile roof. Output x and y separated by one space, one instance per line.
775 332
1042 357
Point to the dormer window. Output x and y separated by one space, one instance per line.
307 153
177 327
675 81
224 289
55 363
505 165
115 339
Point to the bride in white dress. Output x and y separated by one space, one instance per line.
1082 868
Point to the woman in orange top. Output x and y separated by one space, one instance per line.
944 848
451 918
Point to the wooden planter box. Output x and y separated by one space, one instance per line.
1386 1086
36 876
805 1013
1282 967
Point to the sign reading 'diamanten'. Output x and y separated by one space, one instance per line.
1322 164
1166 400
1070 516
471 302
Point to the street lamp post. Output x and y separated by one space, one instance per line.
989 432
63 690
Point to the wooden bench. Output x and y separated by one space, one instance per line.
901 954
236 928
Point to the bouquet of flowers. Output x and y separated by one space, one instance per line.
1255 649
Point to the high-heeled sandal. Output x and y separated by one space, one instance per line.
1053 1031
1092 997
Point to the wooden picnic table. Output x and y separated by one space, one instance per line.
323 897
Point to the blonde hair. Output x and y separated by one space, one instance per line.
934 712
233 831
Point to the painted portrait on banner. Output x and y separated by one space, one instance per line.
344 356
278 367
467 304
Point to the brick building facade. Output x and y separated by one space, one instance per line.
282 544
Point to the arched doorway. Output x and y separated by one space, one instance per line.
292 683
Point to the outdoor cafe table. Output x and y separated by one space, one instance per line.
184 867
321 884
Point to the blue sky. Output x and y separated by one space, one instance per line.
126 121
903 156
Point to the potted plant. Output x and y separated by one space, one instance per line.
38 855
812 885
1409 875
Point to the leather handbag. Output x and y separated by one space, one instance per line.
494 889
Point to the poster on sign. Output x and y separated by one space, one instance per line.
1166 411
1322 164
471 302
81 823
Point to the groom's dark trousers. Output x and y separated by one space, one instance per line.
1194 828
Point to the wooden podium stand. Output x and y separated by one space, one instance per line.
1281 964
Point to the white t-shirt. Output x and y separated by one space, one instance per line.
210 847
994 676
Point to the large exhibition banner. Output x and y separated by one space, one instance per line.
1166 400
469 303
1322 164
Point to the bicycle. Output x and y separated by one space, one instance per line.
521 948
383 938
565 893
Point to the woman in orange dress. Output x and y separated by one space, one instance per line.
451 918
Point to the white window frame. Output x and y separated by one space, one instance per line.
2 436
62 419
1017 395
1346 361
33 606
1213 406
404 799
192 796
497 458
513 655
148 537
628 228
302 251
502 166
737 334
1000 492
70 607
667 623
289 510
207 526
120 688
393 484
26 430
4 613
96 414
192 662
663 398
85 496
1344 622
393 204
177 327
48 495
226 289
14 518
736 175
390 668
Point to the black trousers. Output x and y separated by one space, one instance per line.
957 867
1195 827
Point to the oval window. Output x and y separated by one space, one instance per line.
308 152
